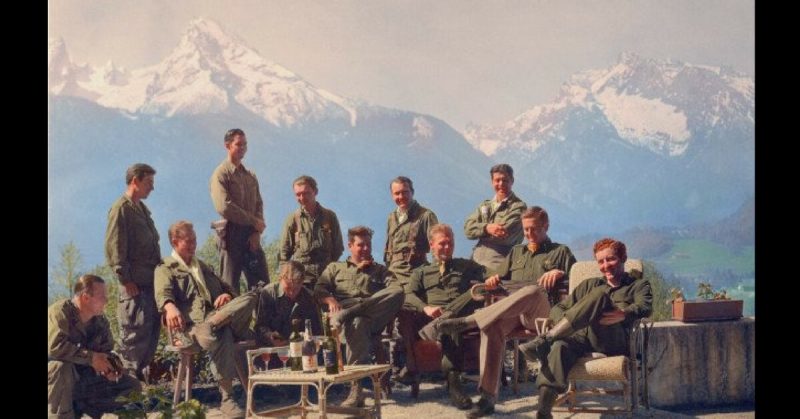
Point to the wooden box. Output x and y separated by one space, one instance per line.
706 310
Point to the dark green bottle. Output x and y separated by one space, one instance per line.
296 347
330 348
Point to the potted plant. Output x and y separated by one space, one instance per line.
710 305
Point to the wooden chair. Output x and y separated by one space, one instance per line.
630 371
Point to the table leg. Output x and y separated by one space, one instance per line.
322 401
376 386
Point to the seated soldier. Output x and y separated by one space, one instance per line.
200 309
595 317
362 297
537 267
79 341
438 290
281 302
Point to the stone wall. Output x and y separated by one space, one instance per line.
702 364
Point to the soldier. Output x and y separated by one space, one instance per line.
200 310
496 222
280 302
406 248
363 297
595 317
235 194
406 231
311 235
132 252
529 271
79 341
439 290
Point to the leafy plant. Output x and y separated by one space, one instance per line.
138 406
706 292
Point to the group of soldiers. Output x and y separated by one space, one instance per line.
410 296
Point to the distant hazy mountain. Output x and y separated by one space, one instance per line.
654 142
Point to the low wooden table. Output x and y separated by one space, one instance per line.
322 382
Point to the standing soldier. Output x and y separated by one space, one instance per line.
311 234
234 191
406 248
362 297
496 222
132 252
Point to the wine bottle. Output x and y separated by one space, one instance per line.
309 350
296 347
329 348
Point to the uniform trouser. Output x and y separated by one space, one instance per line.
452 348
92 393
372 316
222 343
140 326
313 271
490 256
497 321
590 336
236 257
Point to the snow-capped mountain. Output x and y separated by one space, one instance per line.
209 71
655 142
659 105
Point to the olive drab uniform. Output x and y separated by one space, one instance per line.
377 293
237 199
407 241
275 312
519 274
70 376
132 252
523 267
583 307
450 289
491 251
313 242
194 297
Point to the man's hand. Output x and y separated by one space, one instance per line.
260 226
277 339
364 264
174 317
612 317
222 300
496 230
102 366
492 282
333 305
254 241
548 279
432 311
131 289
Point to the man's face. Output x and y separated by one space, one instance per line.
402 195
292 288
360 248
145 186
237 148
306 196
185 245
442 247
97 300
610 264
535 232
502 183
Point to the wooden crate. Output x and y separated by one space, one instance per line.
706 310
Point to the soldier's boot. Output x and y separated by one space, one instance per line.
431 330
229 408
547 396
344 315
456 325
484 406
356 396
456 392
538 348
